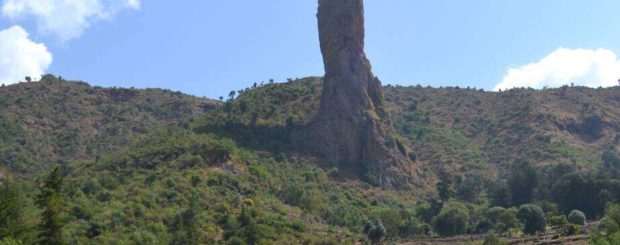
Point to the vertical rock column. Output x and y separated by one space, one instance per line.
352 128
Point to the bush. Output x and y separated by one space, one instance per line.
606 240
607 226
571 229
375 231
559 220
493 240
577 217
493 214
533 218
10 241
510 218
452 220
349 216
613 212
502 219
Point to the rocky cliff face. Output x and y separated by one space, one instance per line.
352 128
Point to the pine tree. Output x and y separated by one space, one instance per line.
185 225
51 201
11 223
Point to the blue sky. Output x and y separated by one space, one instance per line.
208 48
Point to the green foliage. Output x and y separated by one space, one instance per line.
184 227
502 219
500 194
167 168
11 210
588 192
607 240
571 229
533 218
493 240
613 212
347 216
607 226
51 200
559 220
577 217
10 241
375 231
444 186
611 161
452 220
522 182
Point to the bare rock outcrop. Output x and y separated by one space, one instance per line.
352 128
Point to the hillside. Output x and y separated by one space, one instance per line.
52 121
453 127
157 167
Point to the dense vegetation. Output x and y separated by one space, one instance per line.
125 166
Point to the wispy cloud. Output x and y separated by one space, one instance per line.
20 56
66 19
592 68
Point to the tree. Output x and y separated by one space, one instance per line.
607 226
444 186
613 212
185 226
452 220
583 191
392 220
51 201
559 220
522 183
231 95
500 194
533 218
577 217
10 210
611 161
375 230
28 79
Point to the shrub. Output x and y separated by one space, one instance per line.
452 220
571 229
223 150
411 226
533 218
392 221
349 216
559 220
10 241
235 241
607 226
577 217
493 214
493 240
613 212
509 219
375 231
502 219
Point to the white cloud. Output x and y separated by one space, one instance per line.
584 67
67 19
20 56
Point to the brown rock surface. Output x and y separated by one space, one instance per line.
352 128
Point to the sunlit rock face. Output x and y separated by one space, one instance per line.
352 128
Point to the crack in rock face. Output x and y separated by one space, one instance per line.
352 128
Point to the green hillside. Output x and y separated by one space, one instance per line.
160 167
